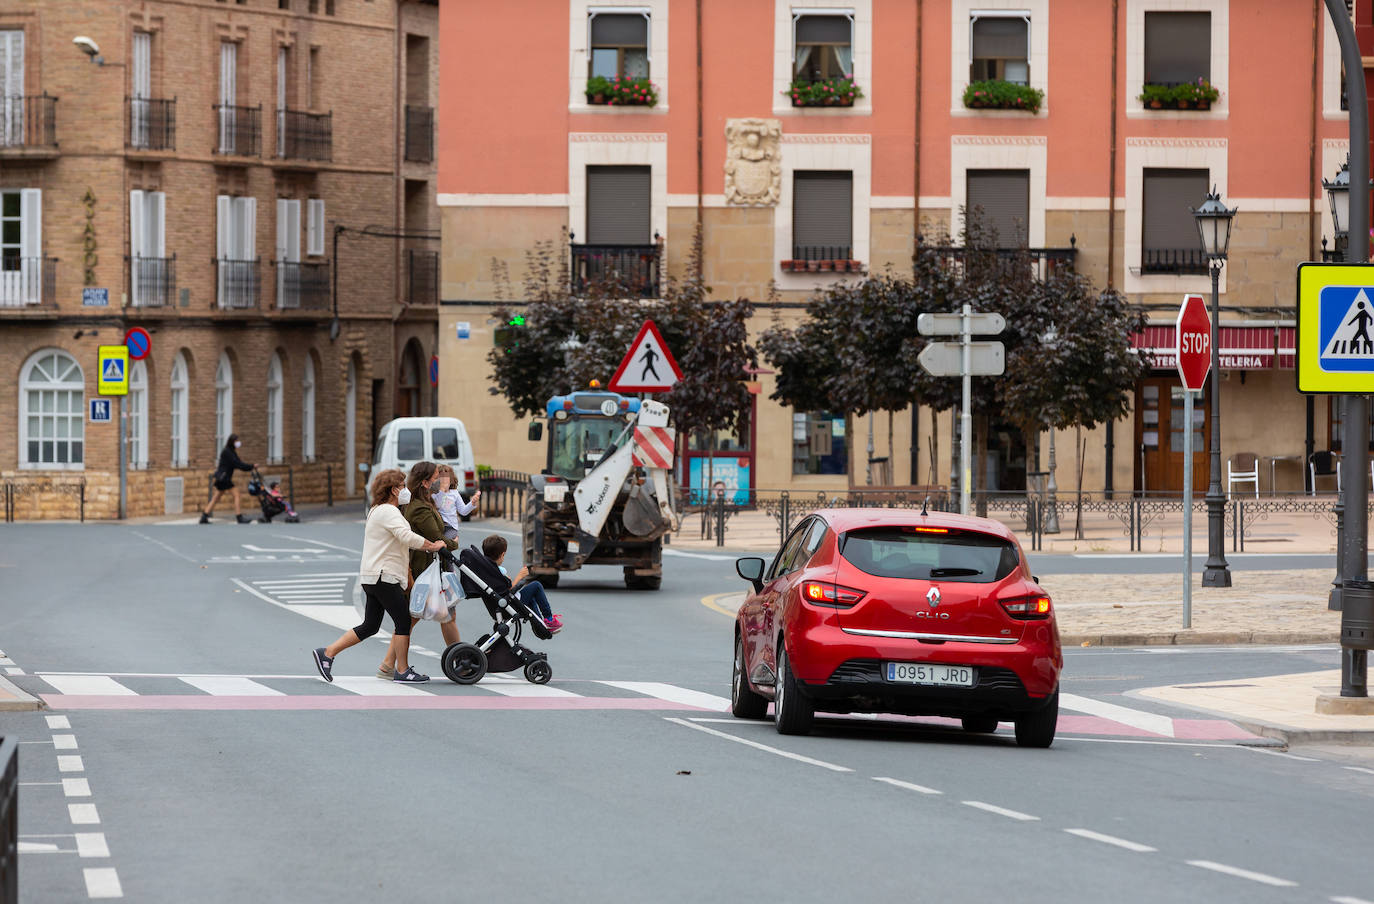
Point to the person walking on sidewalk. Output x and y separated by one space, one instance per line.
386 541
229 462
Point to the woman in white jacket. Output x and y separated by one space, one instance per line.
387 540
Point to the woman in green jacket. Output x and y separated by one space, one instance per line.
426 521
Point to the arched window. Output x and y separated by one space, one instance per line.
137 409
52 412
181 385
224 401
308 410
274 443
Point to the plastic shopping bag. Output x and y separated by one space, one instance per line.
426 584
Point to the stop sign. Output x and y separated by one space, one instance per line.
1193 342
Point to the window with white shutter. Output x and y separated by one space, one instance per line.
149 271
314 230
11 87
140 88
274 419
228 94
308 410
21 247
181 411
137 411
224 401
236 251
288 253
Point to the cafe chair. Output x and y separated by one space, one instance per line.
1323 464
1243 467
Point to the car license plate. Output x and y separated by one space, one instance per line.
925 673
555 492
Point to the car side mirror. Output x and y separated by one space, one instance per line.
751 569
536 431
1035 578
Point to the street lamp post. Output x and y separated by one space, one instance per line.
1214 228
1338 195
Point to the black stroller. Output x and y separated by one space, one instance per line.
272 504
501 650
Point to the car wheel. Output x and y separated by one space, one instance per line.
794 714
744 702
1036 729
979 724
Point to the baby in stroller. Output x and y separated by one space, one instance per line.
271 500
500 650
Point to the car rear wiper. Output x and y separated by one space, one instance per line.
954 572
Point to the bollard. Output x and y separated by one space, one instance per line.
1357 634
82 491
720 521
291 485
9 821
329 483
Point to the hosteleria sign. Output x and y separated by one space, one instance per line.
1241 347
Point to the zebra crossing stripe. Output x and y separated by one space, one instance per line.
231 686
88 685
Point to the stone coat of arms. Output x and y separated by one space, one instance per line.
753 162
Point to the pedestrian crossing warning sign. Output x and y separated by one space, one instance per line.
113 370
1335 328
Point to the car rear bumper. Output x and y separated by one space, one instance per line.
859 685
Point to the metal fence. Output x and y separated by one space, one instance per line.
240 130
238 283
305 136
503 493
28 121
15 487
152 281
9 821
635 267
152 123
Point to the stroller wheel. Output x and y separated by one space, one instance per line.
464 663
538 672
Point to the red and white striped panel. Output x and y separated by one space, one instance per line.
654 447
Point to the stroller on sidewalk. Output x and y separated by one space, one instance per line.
500 650
271 500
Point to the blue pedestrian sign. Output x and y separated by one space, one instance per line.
100 411
1335 347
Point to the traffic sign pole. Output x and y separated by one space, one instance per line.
1187 508
966 415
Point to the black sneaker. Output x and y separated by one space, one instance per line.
244 519
204 518
324 663
410 676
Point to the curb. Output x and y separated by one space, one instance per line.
12 699
1292 736
1209 638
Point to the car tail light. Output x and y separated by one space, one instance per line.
823 593
1027 607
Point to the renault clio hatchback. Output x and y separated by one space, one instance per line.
896 611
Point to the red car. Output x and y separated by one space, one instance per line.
896 611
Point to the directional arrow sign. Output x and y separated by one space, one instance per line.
987 324
944 359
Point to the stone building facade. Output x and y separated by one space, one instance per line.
251 182
1095 175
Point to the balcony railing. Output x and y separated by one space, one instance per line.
152 123
1174 261
1043 262
240 130
419 134
302 286
237 284
28 122
305 136
422 274
152 281
634 269
27 281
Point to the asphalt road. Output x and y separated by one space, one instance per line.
189 755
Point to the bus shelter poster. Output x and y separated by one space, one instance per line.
727 475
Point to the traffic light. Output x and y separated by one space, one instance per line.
508 334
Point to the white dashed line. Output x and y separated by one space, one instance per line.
14 670
103 882
83 814
56 722
1242 873
1111 839
1286 756
64 741
39 847
764 747
919 789
76 787
1001 811
1345 899
70 764
1367 772
91 844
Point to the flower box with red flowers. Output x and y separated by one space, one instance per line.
827 92
621 92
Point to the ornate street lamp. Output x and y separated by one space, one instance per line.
1338 194
1214 229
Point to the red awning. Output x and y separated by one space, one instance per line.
1288 348
1240 347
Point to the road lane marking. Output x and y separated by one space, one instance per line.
39 847
673 694
510 688
1001 811
83 814
87 685
102 882
14 670
64 742
356 552
1286 756
919 789
91 844
1112 839
683 554
76 787
764 747
176 552
712 602
1242 873
70 764
376 687
251 548
1155 743
232 686
1360 769
1155 724
1345 899
55 722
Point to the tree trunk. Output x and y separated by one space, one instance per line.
1078 507
980 468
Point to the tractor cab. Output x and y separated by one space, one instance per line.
582 428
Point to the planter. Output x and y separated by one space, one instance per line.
827 102
596 98
1204 105
813 266
826 266
1156 105
856 267
841 266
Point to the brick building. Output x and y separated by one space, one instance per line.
252 182
1088 174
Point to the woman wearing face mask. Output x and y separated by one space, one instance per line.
386 540
424 519
229 462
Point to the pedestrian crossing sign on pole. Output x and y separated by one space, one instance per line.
113 370
1335 347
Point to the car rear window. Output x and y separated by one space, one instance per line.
445 442
906 552
410 443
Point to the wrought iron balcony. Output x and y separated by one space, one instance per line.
152 123
419 134
305 136
631 270
1175 261
28 122
26 281
237 284
240 131
422 277
1043 262
302 286
152 281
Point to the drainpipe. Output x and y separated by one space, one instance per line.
1108 447
700 134
916 226
1313 173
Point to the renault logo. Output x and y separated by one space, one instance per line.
933 597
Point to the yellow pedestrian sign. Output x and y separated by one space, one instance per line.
1335 328
113 370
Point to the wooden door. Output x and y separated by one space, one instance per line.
1159 426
